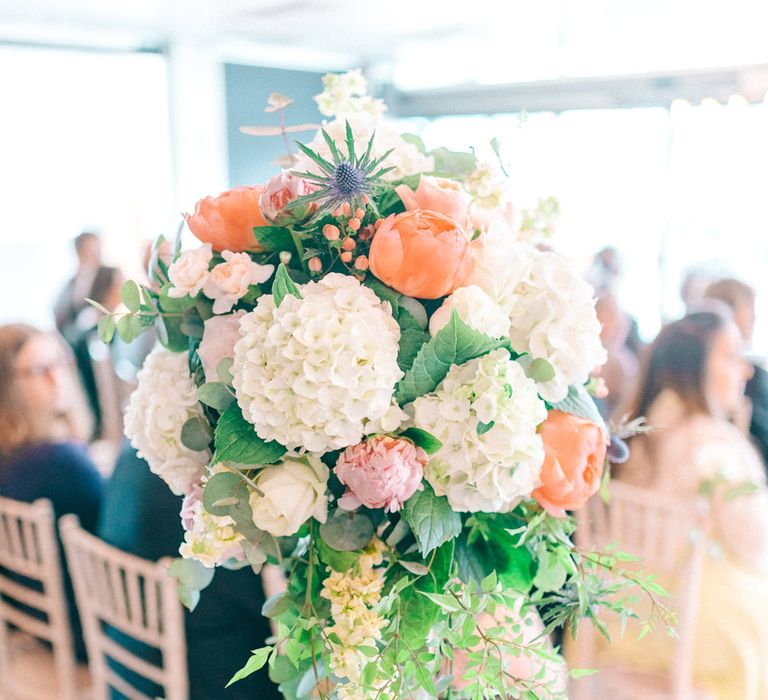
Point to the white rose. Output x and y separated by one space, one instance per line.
476 309
190 272
220 333
294 491
230 280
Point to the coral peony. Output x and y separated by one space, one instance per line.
380 472
227 221
420 253
575 451
438 194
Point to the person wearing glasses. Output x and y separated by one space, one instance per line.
43 425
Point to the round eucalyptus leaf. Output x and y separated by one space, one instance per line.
346 531
196 434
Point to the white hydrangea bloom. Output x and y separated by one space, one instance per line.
314 372
551 308
485 412
163 401
406 158
555 319
476 309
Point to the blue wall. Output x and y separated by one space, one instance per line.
247 90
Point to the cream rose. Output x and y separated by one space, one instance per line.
293 491
229 281
190 272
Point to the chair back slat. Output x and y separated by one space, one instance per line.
667 533
122 592
32 592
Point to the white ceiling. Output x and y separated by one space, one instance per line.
420 42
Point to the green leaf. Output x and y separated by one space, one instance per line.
431 519
417 615
384 293
416 141
129 327
453 163
257 661
292 649
540 370
412 337
346 531
483 428
225 493
576 673
454 344
192 577
236 441
106 328
488 584
130 295
421 438
216 395
283 285
196 434
580 403
338 561
550 574
274 238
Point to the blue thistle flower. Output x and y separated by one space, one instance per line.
345 179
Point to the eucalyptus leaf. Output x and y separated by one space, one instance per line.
346 531
338 561
216 395
454 344
276 604
431 519
106 328
540 370
130 295
283 285
196 434
236 441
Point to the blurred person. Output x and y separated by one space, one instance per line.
695 281
75 318
692 383
620 369
42 428
740 299
142 516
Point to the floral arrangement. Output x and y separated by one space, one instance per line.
367 377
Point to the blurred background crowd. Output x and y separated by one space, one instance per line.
635 133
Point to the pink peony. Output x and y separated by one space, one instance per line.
380 472
280 191
220 333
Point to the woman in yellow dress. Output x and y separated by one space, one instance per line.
692 391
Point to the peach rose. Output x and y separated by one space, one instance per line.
575 451
421 254
229 281
220 333
227 221
438 194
